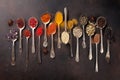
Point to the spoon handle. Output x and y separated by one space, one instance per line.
52 52
77 51
27 54
108 51
96 65
45 44
83 43
90 50
33 42
45 36
65 13
39 54
59 41
13 54
20 41
71 51
101 48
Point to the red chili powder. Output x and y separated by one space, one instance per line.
39 31
32 22
26 33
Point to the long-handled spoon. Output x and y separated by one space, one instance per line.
51 31
70 26
13 35
101 22
59 20
33 22
65 34
39 32
45 18
83 22
108 32
96 41
90 30
21 25
27 35
77 32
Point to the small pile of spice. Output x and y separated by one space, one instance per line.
83 20
10 22
32 22
101 22
13 34
70 24
27 33
58 17
90 29
77 32
39 31
45 17
75 21
91 19
97 38
20 22
51 28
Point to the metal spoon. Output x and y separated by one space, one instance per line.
108 32
52 52
83 22
21 26
70 26
101 22
77 32
51 31
39 32
58 20
27 35
33 28
46 16
96 41
12 36
65 34
90 30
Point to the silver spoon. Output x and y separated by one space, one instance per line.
39 32
90 30
101 22
12 36
77 32
52 52
96 41
52 30
65 34
108 32
46 16
27 35
33 26
21 25
83 22
58 20
70 26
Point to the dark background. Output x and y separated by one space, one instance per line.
62 67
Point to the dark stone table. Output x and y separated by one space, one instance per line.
62 67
